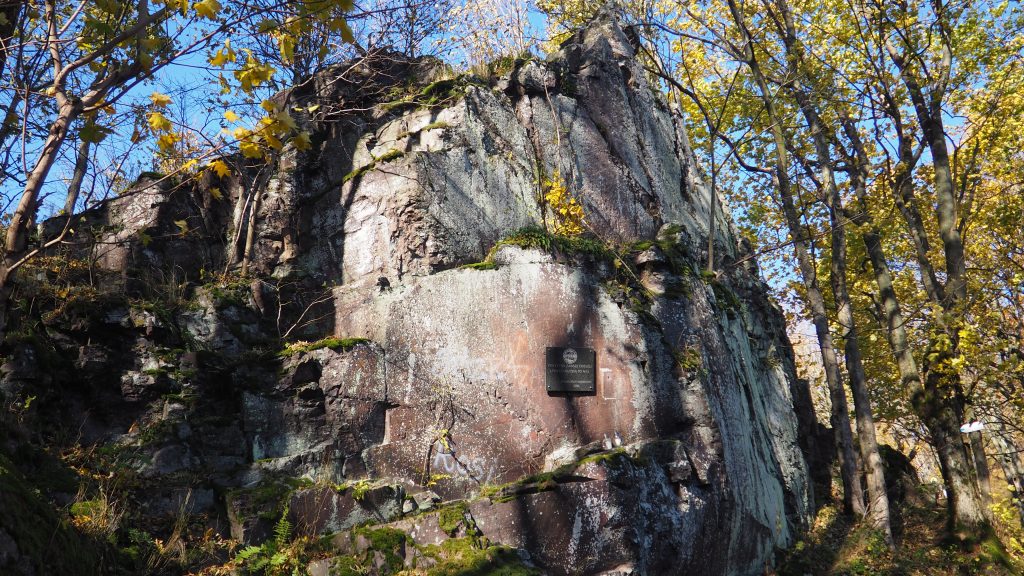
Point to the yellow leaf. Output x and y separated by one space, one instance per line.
152 43
223 55
266 26
272 141
91 132
145 59
167 141
253 73
301 141
220 58
182 4
216 193
286 43
231 116
220 168
182 225
286 120
160 100
313 108
158 122
250 149
207 9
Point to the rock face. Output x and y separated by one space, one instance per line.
689 458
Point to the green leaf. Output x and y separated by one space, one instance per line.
92 132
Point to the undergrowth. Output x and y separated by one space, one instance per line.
836 545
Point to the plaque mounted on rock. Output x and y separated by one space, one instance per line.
571 370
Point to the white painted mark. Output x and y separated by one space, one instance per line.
607 385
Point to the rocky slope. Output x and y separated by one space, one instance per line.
360 372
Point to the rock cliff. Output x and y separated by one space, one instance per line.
382 360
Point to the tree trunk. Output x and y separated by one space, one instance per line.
874 472
976 443
878 500
981 467
853 496
16 239
941 411
925 395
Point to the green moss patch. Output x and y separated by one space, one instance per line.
535 237
337 344
268 499
451 517
465 557
388 156
544 481
725 297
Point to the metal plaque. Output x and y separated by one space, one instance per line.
571 369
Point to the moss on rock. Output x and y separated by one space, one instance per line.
338 344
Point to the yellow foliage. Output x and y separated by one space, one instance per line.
220 168
207 9
301 141
167 141
250 149
160 100
566 209
223 56
158 122
253 73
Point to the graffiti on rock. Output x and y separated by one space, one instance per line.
477 469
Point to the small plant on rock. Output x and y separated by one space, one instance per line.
277 556
566 209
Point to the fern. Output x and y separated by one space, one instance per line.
248 553
253 558
283 531
279 559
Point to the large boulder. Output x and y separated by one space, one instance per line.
701 362
689 456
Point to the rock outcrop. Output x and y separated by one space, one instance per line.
421 381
